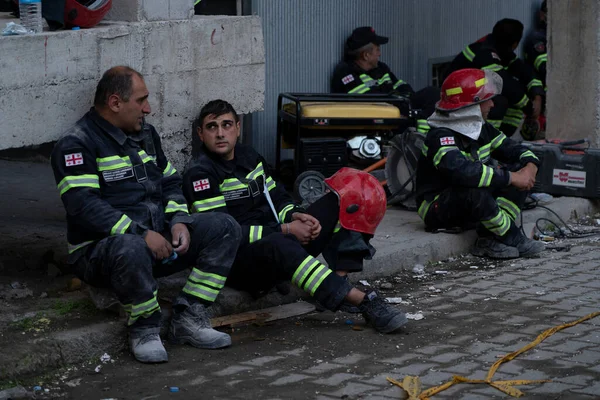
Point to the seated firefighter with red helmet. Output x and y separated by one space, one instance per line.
279 239
457 183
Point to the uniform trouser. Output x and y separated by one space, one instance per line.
493 212
278 257
125 264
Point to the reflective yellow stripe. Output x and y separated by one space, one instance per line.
441 153
484 151
144 309
534 82
112 162
283 213
499 225
424 207
73 181
523 102
453 91
528 153
173 206
495 123
200 291
468 53
509 207
337 227
480 82
169 170
486 176
255 233
121 226
424 149
258 171
74 247
145 157
366 78
209 204
539 60
497 141
316 278
214 281
360 89
493 67
231 184
270 184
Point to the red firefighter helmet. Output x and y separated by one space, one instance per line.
467 87
362 199
76 14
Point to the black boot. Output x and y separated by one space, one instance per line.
526 247
493 248
382 316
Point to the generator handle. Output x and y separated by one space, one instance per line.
564 145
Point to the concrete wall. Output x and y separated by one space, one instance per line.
48 80
573 102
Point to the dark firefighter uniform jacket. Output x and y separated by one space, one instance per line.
536 52
237 187
483 55
112 183
350 78
449 159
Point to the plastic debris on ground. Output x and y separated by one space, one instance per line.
364 283
441 272
13 29
173 389
105 358
416 316
419 269
396 300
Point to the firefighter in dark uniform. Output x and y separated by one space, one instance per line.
279 239
458 186
522 91
535 46
361 72
128 220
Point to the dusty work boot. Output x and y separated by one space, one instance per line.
382 316
148 348
529 247
493 248
192 326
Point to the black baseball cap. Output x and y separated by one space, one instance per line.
363 36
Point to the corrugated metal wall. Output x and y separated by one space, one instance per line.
304 41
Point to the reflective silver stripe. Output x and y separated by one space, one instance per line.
528 153
509 207
112 162
145 157
270 184
523 102
173 206
258 171
493 67
399 83
499 224
74 247
70 182
497 141
209 204
486 176
201 291
303 269
207 278
441 153
360 89
169 170
468 53
231 184
255 233
121 226
317 277
283 213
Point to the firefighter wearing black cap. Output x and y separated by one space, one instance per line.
361 72
522 91
458 186
535 46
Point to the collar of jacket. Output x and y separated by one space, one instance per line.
240 158
117 134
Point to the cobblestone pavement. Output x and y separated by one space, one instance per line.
471 317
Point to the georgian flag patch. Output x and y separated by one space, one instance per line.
347 79
73 159
447 141
200 185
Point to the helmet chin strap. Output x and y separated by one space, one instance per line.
467 121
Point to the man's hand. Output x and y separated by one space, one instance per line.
302 231
181 238
159 246
310 220
537 107
524 179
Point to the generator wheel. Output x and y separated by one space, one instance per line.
309 186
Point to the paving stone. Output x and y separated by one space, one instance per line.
585 357
434 349
551 388
462 313
292 378
506 338
592 390
270 372
577 380
435 378
294 352
336 379
258 362
447 357
393 392
400 360
415 369
350 360
352 389
570 346
461 340
479 347
539 355
234 369
323 367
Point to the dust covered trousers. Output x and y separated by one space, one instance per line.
115 187
458 186
266 255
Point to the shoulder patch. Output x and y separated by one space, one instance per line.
73 159
540 47
200 185
447 141
347 79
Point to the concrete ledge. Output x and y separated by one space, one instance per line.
150 10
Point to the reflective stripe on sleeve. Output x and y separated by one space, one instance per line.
173 206
169 170
255 233
73 181
121 226
209 204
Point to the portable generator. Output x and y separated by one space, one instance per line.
566 169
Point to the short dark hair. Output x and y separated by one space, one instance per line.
508 31
117 80
216 108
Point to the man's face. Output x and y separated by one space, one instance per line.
220 134
372 57
486 106
130 113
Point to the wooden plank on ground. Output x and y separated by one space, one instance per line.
266 314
